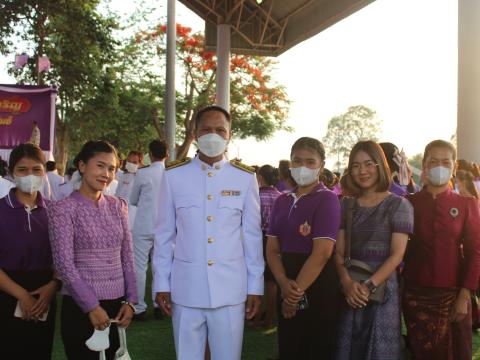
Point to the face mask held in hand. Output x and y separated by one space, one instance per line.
212 145
304 176
29 184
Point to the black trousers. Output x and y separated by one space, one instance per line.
22 339
311 333
77 328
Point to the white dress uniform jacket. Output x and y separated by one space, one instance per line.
125 185
5 186
55 181
144 195
208 240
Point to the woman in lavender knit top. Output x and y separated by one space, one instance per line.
92 252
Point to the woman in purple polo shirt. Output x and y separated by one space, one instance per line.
93 254
381 221
303 228
26 270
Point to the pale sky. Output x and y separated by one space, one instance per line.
397 57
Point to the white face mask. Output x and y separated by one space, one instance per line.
131 167
439 175
304 176
99 341
212 145
29 184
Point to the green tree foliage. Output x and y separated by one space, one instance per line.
111 85
345 130
79 43
259 106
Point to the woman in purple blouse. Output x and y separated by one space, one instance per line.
26 271
92 252
303 229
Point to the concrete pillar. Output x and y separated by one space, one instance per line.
223 66
170 111
468 121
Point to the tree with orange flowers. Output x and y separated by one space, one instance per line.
259 106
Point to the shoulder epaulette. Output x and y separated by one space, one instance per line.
242 166
178 163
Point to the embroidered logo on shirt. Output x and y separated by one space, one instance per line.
305 229
454 212
230 193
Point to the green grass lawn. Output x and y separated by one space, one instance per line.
153 340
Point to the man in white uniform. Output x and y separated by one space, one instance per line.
208 262
144 195
5 187
54 179
125 180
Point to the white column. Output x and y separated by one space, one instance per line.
468 121
170 112
223 66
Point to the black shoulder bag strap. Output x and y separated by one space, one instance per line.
348 231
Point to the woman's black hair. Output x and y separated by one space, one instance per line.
309 143
27 150
92 148
269 174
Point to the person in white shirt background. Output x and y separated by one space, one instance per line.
5 185
125 180
54 179
144 196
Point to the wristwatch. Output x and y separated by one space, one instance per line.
370 285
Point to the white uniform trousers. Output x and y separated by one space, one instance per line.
142 247
223 326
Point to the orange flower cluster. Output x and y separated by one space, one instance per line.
246 71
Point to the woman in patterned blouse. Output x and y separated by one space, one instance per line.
92 251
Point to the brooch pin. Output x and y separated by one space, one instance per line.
454 212
305 229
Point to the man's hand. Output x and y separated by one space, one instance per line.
252 306
164 301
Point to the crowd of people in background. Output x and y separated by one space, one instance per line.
344 256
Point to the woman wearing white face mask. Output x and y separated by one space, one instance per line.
27 284
303 229
439 276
